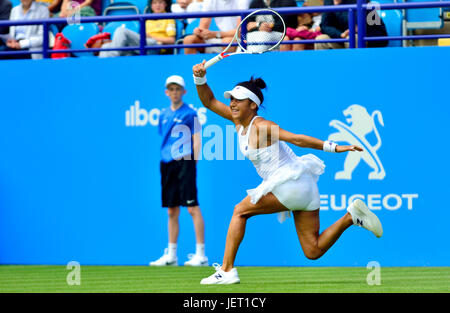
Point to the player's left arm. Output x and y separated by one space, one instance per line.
303 141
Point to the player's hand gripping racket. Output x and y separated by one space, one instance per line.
263 31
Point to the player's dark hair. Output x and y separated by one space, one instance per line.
255 85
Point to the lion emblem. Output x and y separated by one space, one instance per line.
360 123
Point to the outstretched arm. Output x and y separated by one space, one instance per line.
206 95
304 141
311 142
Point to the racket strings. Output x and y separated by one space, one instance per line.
263 32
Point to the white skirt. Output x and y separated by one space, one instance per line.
294 185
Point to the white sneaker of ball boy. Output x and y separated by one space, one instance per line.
361 216
199 258
196 260
170 258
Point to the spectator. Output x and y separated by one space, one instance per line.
54 6
227 26
26 37
86 7
5 12
289 20
184 6
335 25
308 28
159 32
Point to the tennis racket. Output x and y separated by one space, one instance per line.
260 31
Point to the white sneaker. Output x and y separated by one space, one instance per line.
221 278
196 260
363 217
165 260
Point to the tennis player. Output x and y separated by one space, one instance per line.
289 182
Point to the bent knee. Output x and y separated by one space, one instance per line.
189 39
313 253
240 210
323 37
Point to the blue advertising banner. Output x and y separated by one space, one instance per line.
79 168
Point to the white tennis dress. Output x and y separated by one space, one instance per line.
292 179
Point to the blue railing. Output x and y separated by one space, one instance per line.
356 11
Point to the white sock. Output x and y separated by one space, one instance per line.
172 250
200 249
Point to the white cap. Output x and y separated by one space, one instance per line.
175 79
241 93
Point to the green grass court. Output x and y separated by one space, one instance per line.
137 279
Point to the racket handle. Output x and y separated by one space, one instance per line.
213 61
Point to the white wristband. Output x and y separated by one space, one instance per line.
199 80
329 146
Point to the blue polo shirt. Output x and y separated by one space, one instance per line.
177 128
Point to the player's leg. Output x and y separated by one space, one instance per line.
307 224
242 212
227 274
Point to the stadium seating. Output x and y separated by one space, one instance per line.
53 28
78 34
120 8
428 18
393 21
140 4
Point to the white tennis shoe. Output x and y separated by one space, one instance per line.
196 260
165 260
363 217
221 278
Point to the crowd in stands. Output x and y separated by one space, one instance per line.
164 31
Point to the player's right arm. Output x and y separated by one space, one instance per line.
207 96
